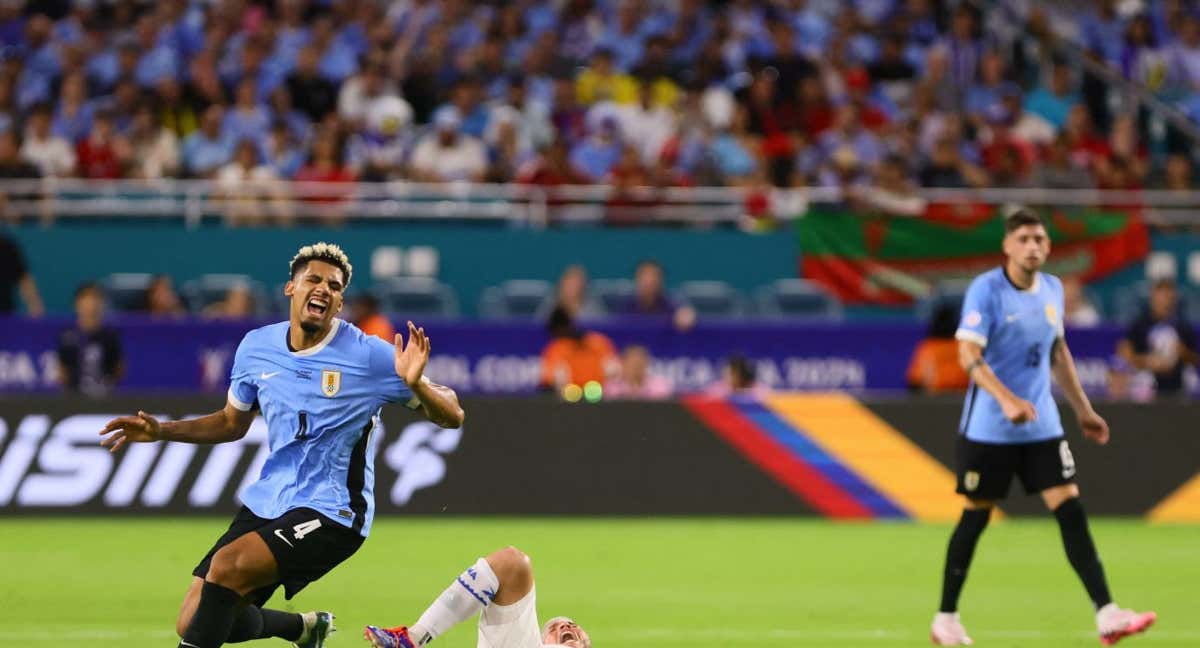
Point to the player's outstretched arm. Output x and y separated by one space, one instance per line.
228 424
1016 409
438 402
1063 363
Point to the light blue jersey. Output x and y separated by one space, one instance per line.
1017 329
320 405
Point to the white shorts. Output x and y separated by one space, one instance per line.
511 626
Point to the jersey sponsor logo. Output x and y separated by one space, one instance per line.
331 382
971 480
268 376
973 318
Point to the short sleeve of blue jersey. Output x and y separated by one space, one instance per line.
977 313
243 391
383 373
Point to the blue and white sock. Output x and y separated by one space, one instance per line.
467 596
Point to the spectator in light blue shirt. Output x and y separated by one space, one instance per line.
337 63
988 91
206 149
157 60
596 155
281 152
247 118
73 116
624 37
693 25
113 63
811 27
1104 31
44 57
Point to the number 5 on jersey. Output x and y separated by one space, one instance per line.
301 530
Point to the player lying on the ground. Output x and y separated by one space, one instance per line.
501 591
320 383
1010 341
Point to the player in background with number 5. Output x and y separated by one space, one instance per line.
1010 341
320 383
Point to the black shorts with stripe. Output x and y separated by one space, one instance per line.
985 470
306 546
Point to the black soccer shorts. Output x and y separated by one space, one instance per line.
306 546
985 470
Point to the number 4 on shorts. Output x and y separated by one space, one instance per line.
306 528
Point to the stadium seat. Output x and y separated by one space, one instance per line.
416 297
126 291
279 303
950 292
516 298
711 298
1129 301
611 295
210 289
797 299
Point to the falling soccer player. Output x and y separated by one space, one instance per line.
500 589
319 383
1010 340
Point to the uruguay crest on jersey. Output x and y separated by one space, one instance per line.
331 382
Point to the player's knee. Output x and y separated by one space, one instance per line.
511 564
1055 496
230 568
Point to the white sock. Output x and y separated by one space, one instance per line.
310 620
467 596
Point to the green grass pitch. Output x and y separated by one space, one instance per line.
634 583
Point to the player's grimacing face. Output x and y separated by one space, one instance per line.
565 632
1028 246
316 294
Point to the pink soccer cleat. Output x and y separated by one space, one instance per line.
1115 623
948 630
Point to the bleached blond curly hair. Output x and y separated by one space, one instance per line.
328 252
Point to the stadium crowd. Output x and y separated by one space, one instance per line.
882 95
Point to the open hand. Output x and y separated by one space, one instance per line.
412 358
138 429
1094 427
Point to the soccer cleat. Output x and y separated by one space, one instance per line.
948 630
388 637
1115 623
317 628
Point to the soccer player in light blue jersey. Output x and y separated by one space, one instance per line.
1010 342
319 383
